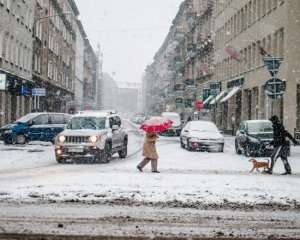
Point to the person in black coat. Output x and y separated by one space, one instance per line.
280 145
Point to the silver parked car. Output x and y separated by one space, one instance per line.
201 135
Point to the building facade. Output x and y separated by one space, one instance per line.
16 22
54 54
216 52
256 29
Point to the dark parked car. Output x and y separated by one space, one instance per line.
42 126
253 138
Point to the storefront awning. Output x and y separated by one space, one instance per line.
216 98
207 99
230 94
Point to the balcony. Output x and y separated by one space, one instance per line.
179 88
178 62
191 51
190 83
168 75
179 36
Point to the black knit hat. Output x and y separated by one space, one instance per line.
274 119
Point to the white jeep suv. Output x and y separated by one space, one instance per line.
93 137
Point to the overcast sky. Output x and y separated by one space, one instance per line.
129 32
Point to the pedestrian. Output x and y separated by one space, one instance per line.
280 145
149 152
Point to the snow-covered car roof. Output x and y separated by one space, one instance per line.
205 125
92 114
257 121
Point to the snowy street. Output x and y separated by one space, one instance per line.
191 186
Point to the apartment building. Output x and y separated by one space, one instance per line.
216 51
16 22
54 54
256 29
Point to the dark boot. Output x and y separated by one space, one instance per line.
287 167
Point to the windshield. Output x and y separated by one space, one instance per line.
260 127
203 127
86 123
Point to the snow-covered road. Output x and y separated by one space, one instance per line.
194 180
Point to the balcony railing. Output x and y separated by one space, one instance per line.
179 88
190 83
179 36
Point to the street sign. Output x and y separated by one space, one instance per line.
38 92
199 105
275 88
273 64
215 88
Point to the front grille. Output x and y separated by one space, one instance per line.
77 139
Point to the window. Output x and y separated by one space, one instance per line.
188 102
41 120
117 121
57 119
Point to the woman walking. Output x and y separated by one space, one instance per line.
149 152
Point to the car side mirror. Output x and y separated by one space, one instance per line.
115 127
186 130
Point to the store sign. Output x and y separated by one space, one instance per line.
2 81
38 92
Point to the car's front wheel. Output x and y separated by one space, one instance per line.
123 153
188 147
106 153
60 160
247 150
237 149
20 139
182 144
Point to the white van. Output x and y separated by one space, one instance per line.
176 126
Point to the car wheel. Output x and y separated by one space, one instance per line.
123 153
20 139
182 144
60 160
188 147
221 148
106 153
7 142
237 150
247 150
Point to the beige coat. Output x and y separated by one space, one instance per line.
149 148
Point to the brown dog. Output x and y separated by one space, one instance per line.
258 165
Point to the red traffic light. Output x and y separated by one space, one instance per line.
199 105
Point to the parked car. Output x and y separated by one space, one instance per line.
176 126
42 126
201 135
253 138
93 137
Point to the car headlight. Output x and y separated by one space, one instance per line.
253 140
8 131
61 138
93 139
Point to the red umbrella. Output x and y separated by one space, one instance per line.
156 125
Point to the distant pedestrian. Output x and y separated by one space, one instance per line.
280 145
149 152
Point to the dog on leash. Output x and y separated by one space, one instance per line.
258 165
